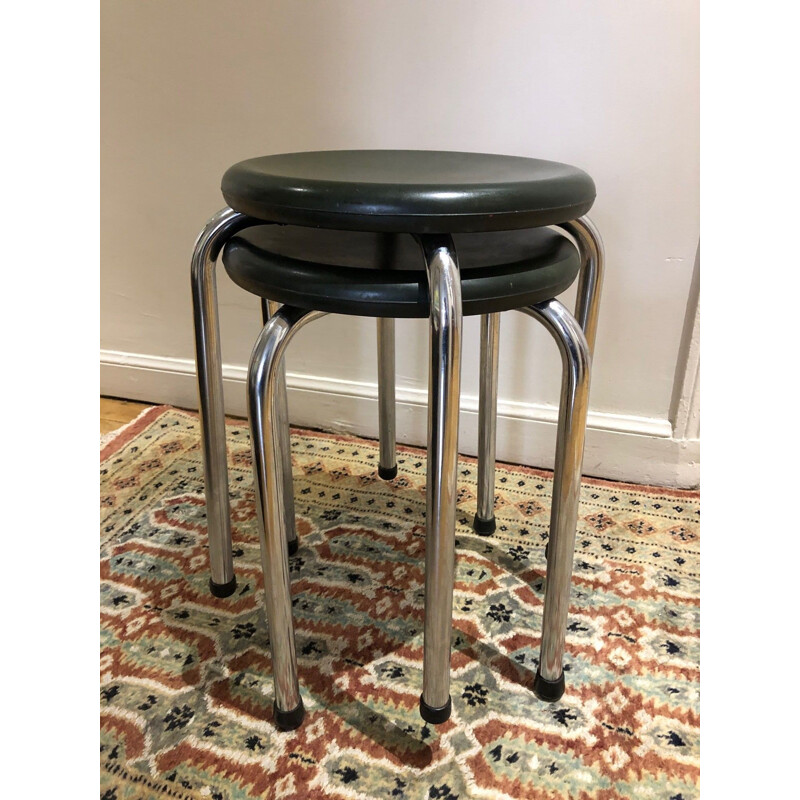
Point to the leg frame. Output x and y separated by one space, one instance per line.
576 359
209 378
207 248
587 307
444 384
267 433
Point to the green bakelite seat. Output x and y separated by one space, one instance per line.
408 191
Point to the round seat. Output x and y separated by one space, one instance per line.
412 191
383 275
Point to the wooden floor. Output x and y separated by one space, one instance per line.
115 413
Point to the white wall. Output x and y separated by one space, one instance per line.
191 86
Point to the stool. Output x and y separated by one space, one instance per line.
445 201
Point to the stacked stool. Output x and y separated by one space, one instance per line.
399 234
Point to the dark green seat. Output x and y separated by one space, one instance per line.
408 191
383 275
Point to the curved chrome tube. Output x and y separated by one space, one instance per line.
267 434
590 280
444 386
587 306
207 248
573 407
268 309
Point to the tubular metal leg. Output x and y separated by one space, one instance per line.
444 382
576 359
387 465
587 308
209 378
268 309
484 523
590 280
268 440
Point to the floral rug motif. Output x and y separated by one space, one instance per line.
186 682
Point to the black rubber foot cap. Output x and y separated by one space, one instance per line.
388 473
435 716
293 546
223 589
484 527
289 720
549 691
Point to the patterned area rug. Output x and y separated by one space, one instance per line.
186 686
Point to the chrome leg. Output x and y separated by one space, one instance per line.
268 309
444 384
209 378
387 465
590 281
268 441
576 359
484 523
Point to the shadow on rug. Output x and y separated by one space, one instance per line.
186 684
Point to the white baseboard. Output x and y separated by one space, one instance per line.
618 447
